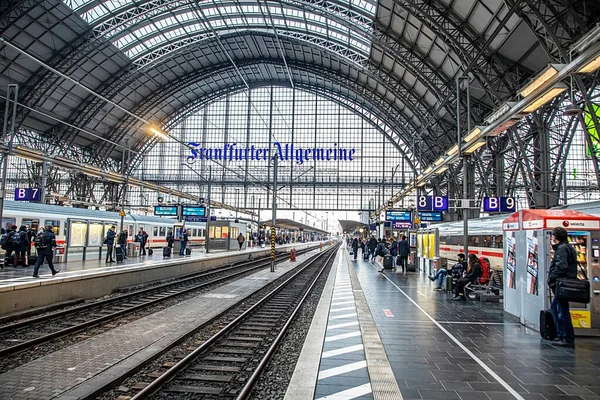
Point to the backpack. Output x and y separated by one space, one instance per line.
4 240
39 242
16 239
381 249
485 270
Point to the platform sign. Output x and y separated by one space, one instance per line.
27 194
431 216
195 211
372 227
432 203
499 204
398 215
165 211
401 225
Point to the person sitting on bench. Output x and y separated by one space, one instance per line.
473 273
441 274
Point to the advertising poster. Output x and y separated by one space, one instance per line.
425 245
412 239
95 237
532 262
420 245
431 246
581 318
510 259
77 234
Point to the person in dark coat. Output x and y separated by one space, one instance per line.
9 245
473 273
46 252
403 251
21 248
183 242
170 238
355 247
122 242
563 265
110 243
372 245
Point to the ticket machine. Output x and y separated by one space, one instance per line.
527 257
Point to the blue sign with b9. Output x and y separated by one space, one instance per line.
27 194
499 204
432 203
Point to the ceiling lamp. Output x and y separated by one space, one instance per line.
157 132
473 134
549 73
439 160
545 98
443 168
474 146
591 66
453 150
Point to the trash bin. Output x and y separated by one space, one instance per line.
133 249
59 255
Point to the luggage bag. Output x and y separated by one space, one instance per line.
547 327
366 256
150 252
119 254
388 262
449 282
167 252
188 251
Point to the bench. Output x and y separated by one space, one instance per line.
492 291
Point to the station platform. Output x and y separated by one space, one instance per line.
19 290
78 371
390 336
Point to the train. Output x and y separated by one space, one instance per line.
486 235
88 227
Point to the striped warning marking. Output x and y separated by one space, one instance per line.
388 313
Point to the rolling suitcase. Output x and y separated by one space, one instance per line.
449 282
150 252
547 327
167 252
366 256
388 262
411 268
188 251
32 259
119 254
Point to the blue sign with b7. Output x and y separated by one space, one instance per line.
27 194
499 204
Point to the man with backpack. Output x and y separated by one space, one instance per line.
6 242
240 240
381 251
45 243
372 245
20 244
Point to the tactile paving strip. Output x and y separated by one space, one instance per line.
383 381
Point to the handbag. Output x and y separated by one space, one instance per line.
573 289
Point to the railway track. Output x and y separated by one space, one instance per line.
23 335
231 361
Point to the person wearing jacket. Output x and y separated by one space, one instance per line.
9 245
563 265
170 238
46 251
110 243
355 247
456 271
21 248
372 245
473 273
184 241
403 251
122 242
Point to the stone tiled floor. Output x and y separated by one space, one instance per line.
440 349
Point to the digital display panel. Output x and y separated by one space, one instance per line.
432 203
431 216
398 215
194 211
401 225
165 211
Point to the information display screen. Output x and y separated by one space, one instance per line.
432 216
165 211
401 225
194 211
398 215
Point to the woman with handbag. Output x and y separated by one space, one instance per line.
563 266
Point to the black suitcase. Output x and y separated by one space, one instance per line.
150 252
411 268
188 251
119 254
547 327
366 256
167 252
388 262
32 259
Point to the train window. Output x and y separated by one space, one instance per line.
194 232
499 241
130 231
64 228
235 232
474 240
155 231
55 225
32 223
225 232
163 231
486 241
8 222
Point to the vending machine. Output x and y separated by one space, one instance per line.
528 254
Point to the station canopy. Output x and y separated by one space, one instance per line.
282 223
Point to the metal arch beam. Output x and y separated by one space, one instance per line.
173 88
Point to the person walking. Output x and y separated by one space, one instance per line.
110 243
355 247
372 245
45 250
240 240
21 243
403 250
184 241
563 265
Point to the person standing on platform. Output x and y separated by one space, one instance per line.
240 240
393 247
355 247
20 245
110 243
141 239
372 245
122 242
563 265
184 240
170 239
31 235
403 250
8 244
144 241
45 250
